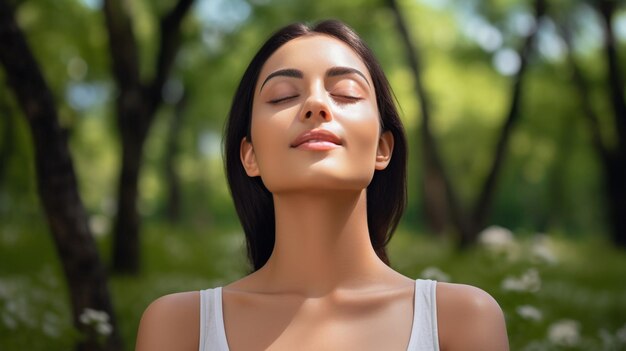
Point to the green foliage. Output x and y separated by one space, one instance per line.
550 167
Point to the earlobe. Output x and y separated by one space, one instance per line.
384 151
248 158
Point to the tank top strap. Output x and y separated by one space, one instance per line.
424 334
212 332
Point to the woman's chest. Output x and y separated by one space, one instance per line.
381 323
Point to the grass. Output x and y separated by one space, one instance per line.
576 295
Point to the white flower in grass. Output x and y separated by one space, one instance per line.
50 325
541 252
529 312
435 273
99 320
565 332
9 321
609 341
104 329
527 282
91 316
537 345
621 334
497 238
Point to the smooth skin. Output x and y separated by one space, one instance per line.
324 287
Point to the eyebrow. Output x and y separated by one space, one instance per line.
289 72
332 72
340 71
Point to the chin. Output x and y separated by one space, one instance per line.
319 183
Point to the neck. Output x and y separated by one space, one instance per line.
322 243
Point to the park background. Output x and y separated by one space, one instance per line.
514 112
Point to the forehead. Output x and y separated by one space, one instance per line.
313 54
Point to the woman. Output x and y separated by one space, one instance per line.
316 162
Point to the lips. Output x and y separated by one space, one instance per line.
318 139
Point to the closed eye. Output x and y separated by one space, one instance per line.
282 99
347 98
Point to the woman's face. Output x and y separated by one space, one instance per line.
315 122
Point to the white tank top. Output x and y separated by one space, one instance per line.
424 336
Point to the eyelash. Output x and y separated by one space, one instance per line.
279 100
348 97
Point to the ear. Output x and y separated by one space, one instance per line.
248 158
384 151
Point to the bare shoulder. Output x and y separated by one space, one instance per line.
171 322
468 318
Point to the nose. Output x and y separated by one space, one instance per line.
316 106
322 113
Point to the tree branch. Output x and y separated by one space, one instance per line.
583 93
616 85
485 199
168 45
123 45
433 160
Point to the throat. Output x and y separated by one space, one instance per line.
322 242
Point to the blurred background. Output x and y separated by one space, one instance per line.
112 188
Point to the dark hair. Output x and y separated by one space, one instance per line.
386 194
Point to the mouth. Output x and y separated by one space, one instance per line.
317 140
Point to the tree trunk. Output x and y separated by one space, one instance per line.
435 187
616 193
613 160
438 186
137 104
56 180
126 246
615 165
6 143
172 150
484 204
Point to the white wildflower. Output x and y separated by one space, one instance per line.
608 340
9 321
91 316
537 345
528 282
20 310
621 334
104 329
541 251
99 320
50 325
529 312
497 238
565 332
435 273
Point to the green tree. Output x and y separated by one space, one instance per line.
57 186
612 155
440 196
136 105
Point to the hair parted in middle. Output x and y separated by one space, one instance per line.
386 193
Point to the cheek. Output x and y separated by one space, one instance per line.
269 141
363 127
